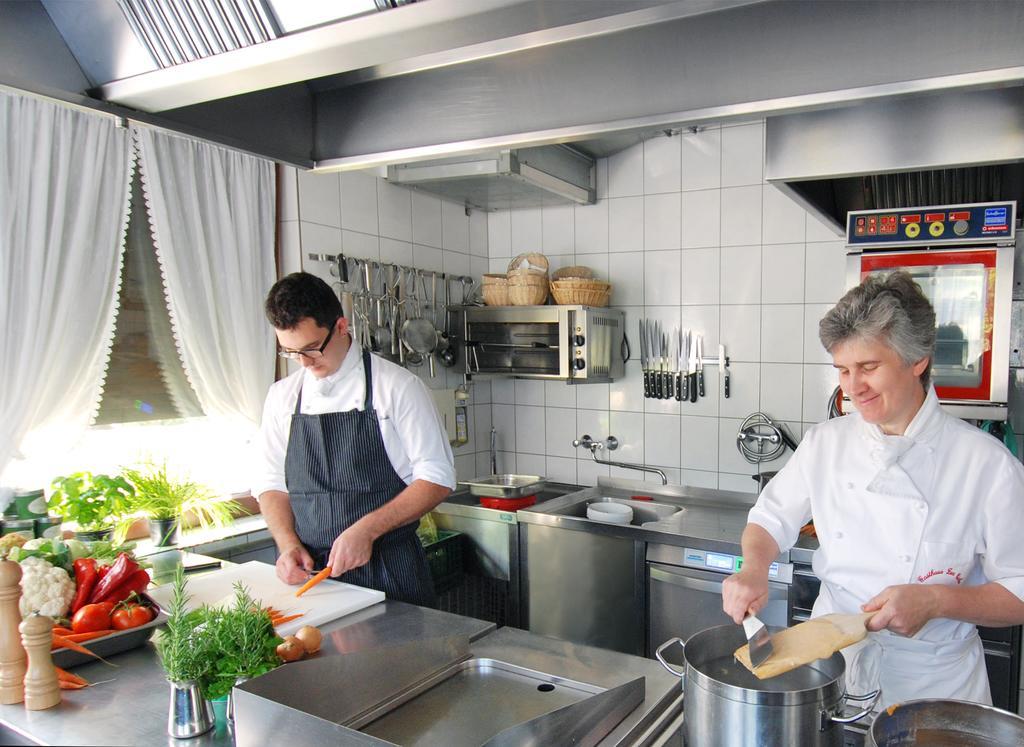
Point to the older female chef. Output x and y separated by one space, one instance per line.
920 516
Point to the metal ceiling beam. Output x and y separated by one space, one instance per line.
406 39
742 62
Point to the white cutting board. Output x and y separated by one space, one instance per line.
326 601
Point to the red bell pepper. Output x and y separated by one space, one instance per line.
134 584
119 572
86 577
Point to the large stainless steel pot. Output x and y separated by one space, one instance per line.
945 722
724 704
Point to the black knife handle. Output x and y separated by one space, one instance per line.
680 378
647 384
659 384
725 384
670 380
700 383
685 386
693 387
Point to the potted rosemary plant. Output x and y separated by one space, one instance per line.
96 503
165 500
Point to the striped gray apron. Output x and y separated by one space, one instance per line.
337 471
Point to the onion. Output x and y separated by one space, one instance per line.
291 650
310 638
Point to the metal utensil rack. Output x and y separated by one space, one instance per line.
379 297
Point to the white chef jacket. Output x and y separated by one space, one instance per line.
414 436
942 504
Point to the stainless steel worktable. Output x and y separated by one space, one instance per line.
132 708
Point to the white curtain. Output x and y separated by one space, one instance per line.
64 190
212 212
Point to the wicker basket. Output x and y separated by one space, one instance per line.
578 292
528 290
532 263
573 271
494 289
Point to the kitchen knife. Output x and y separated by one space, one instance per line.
645 357
724 363
680 363
758 640
670 376
691 369
683 363
659 383
700 365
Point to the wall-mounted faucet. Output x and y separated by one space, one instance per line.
611 444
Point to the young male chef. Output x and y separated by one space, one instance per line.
352 452
920 516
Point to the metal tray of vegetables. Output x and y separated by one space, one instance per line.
113 643
97 586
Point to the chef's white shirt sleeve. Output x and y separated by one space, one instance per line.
1003 558
271 442
785 502
422 433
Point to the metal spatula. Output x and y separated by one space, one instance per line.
758 640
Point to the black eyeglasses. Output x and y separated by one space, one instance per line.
312 353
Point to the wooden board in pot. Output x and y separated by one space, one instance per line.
809 641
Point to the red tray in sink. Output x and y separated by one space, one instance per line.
508 504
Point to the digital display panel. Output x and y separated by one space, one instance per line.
720 561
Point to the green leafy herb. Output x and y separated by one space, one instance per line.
216 646
93 502
179 644
158 494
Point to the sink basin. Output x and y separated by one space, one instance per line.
643 511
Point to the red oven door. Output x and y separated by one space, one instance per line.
961 285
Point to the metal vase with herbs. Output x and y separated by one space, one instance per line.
164 532
190 713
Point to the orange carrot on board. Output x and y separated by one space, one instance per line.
287 618
60 641
320 576
62 631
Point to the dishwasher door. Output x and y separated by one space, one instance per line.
684 601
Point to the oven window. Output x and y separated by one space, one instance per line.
962 293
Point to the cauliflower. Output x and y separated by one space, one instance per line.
45 589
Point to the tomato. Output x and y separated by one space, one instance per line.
131 616
92 617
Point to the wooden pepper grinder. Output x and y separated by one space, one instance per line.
42 690
13 661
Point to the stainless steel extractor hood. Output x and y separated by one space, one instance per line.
509 178
954 147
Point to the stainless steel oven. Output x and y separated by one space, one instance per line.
962 256
684 592
577 344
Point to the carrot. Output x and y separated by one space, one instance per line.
68 685
65 676
62 631
275 621
83 637
320 576
62 642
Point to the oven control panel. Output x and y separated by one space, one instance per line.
976 223
722 562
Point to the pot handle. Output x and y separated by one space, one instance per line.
657 653
827 716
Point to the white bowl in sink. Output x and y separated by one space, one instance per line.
613 513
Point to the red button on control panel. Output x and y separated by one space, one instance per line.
934 217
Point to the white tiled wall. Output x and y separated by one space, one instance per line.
689 233
362 215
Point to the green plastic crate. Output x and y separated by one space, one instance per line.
445 559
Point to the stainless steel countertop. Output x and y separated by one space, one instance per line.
132 708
